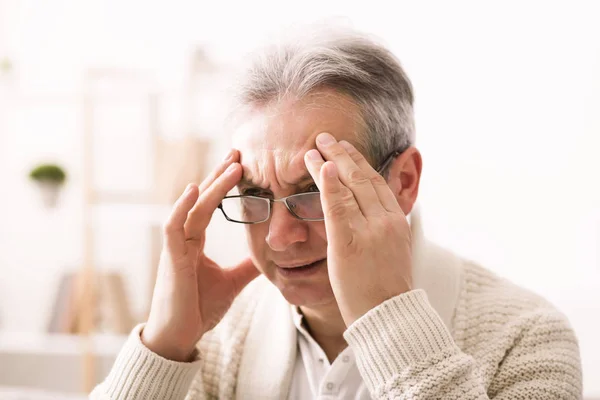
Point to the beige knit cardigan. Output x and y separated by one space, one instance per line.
462 333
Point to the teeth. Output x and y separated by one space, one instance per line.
309 265
300 266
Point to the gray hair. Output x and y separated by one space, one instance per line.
347 62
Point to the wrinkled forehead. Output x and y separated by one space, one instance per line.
274 138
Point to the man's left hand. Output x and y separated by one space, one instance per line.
369 242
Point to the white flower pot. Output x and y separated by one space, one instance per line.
50 192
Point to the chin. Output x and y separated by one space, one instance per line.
306 294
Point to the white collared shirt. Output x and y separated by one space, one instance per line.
315 378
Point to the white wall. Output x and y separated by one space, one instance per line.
508 100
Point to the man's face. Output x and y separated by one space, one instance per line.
272 141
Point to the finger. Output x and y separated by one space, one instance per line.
315 163
173 230
385 194
231 157
342 215
242 274
350 175
208 201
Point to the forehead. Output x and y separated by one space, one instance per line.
273 138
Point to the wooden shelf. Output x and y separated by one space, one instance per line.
152 214
59 344
21 393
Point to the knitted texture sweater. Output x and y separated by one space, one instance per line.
463 333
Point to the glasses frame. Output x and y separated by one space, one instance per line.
270 207
381 169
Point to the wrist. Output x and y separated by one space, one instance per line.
166 348
357 306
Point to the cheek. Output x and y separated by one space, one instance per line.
318 229
256 235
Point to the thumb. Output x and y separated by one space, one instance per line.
242 274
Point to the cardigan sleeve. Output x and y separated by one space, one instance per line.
404 351
140 374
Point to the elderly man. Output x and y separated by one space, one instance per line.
353 302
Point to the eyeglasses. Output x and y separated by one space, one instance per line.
249 209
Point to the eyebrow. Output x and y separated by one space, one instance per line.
245 181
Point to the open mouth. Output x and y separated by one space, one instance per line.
301 270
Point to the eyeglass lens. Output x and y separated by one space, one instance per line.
249 209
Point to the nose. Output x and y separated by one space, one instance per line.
284 228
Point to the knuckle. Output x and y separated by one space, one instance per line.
354 154
393 226
353 247
357 176
347 197
378 180
388 227
357 158
337 210
337 151
343 205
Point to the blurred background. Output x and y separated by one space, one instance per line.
108 108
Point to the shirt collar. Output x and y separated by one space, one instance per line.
298 318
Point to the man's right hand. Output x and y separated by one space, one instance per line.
193 293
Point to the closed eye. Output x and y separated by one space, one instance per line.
256 192
312 188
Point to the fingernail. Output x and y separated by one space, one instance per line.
331 170
188 188
228 156
231 169
346 145
313 155
325 139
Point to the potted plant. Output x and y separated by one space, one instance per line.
6 71
5 65
50 178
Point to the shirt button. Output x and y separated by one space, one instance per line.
329 386
345 359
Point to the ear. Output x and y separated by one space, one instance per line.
404 176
